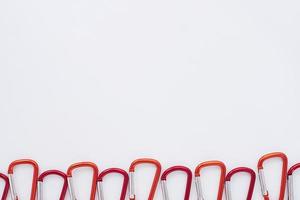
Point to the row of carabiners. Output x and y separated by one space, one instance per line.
97 189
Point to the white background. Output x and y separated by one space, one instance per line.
180 81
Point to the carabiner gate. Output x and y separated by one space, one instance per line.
239 170
48 173
155 180
14 195
188 182
261 175
94 180
221 165
109 171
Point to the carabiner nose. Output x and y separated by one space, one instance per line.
290 181
48 173
6 186
188 182
261 175
239 170
109 171
132 167
219 164
94 180
14 195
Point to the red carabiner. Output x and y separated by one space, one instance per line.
94 180
239 170
168 171
57 173
109 171
264 189
198 169
155 180
14 195
290 181
6 187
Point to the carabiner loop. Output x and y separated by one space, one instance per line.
261 175
6 187
155 180
109 171
94 180
290 181
239 170
221 165
48 173
14 195
168 171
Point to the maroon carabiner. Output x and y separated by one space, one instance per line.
168 171
109 171
290 180
6 187
239 170
57 173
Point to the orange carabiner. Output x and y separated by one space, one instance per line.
155 180
14 195
94 180
198 169
261 175
6 187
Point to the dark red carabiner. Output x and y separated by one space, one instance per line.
11 167
6 187
290 181
260 167
94 181
198 169
57 173
170 170
109 171
155 180
239 170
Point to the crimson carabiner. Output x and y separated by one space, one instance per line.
94 180
14 195
170 170
290 181
239 170
109 171
155 180
6 187
261 175
221 165
48 173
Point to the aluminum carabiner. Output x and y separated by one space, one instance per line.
291 181
261 175
6 186
221 165
94 180
239 170
109 171
14 195
170 170
132 195
57 173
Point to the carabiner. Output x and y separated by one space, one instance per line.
14 195
155 180
109 171
261 175
48 173
290 181
168 171
239 170
221 165
6 187
94 180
